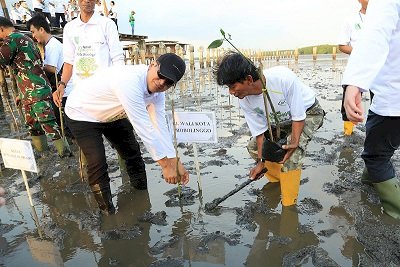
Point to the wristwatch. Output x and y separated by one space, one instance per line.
63 83
260 159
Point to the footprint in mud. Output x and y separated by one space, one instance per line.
309 206
232 239
168 262
186 197
318 256
124 234
159 218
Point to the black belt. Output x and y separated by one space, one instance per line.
313 105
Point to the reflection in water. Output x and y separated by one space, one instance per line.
277 235
131 250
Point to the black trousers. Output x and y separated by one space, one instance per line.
57 21
89 137
381 141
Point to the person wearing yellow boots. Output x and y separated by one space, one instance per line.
373 65
347 38
299 111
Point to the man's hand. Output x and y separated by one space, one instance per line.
18 101
169 172
352 104
290 148
255 173
58 95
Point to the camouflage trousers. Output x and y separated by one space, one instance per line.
40 119
314 120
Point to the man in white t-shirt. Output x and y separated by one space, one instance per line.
59 8
113 13
99 106
38 5
374 65
297 110
347 39
90 43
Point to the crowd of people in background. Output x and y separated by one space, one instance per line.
59 12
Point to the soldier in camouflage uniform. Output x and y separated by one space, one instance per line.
297 111
21 53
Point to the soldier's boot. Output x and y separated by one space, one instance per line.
39 143
138 181
274 171
102 195
365 178
62 147
389 194
290 185
348 127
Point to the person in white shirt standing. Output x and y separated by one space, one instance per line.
38 5
347 39
59 8
90 43
109 103
113 13
299 112
374 65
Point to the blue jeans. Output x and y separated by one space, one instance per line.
381 141
89 137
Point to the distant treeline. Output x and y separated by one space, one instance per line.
321 49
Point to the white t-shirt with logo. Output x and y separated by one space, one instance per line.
290 97
351 29
114 91
90 47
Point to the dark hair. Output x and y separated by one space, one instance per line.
37 21
234 68
4 22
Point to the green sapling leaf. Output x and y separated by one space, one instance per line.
216 43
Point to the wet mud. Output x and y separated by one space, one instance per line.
338 221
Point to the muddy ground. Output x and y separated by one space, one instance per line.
337 221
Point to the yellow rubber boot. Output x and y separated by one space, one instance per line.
39 143
274 171
290 185
348 127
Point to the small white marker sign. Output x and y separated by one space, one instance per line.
18 154
196 127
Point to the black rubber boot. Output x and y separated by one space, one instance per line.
139 181
103 197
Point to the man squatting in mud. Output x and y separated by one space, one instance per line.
374 64
20 52
109 103
299 113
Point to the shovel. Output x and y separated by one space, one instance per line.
213 204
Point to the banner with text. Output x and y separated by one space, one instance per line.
18 154
194 127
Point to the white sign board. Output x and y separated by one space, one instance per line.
194 127
18 154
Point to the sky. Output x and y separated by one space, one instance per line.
253 24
